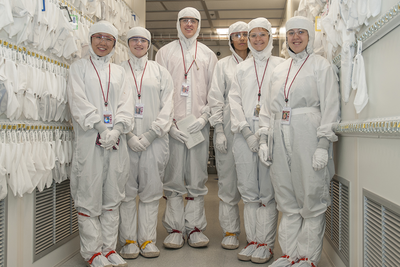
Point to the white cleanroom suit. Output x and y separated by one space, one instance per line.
223 140
148 151
260 214
186 171
302 163
99 175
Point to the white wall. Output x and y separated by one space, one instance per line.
139 7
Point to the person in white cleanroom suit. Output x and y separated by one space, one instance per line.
191 65
303 97
152 88
100 101
223 137
247 94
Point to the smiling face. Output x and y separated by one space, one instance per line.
297 39
239 40
189 26
102 43
138 46
259 38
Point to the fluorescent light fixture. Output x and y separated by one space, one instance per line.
223 31
273 30
282 31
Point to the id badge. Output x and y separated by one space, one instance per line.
286 114
139 108
108 118
185 89
256 113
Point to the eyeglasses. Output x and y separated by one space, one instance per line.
260 34
238 35
107 39
299 32
186 21
137 40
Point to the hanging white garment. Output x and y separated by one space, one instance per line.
359 81
3 171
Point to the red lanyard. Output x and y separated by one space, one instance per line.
236 59
109 78
260 85
184 64
139 93
284 89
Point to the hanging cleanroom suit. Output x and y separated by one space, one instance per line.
152 88
247 94
98 94
223 140
302 163
186 170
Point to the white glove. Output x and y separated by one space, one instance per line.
112 138
263 154
197 125
103 134
320 159
143 140
135 144
178 135
252 142
221 143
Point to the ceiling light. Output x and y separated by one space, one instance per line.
273 30
223 31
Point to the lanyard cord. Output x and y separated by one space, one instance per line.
260 85
109 75
236 59
184 64
284 90
139 93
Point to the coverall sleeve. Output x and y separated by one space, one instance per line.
265 112
329 100
124 113
216 99
238 119
163 122
211 66
83 112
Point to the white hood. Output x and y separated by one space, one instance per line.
188 12
266 53
239 26
138 32
104 27
299 22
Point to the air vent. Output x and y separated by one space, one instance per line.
381 231
55 218
337 218
3 233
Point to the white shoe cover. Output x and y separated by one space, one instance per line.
129 251
262 254
282 262
99 261
116 260
174 240
150 251
247 251
230 242
198 240
305 263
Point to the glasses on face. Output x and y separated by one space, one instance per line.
299 33
238 35
98 38
187 21
137 40
260 34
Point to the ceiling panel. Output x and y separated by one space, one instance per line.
250 14
227 23
154 6
182 5
161 16
248 4
164 24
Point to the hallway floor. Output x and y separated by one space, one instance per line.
213 255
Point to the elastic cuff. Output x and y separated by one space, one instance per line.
323 143
129 136
119 127
219 128
100 126
263 139
246 132
150 135
205 116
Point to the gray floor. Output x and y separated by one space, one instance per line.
213 255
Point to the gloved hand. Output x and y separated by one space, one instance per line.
135 144
263 154
111 139
220 140
197 125
320 159
178 135
251 139
147 138
103 134
143 140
